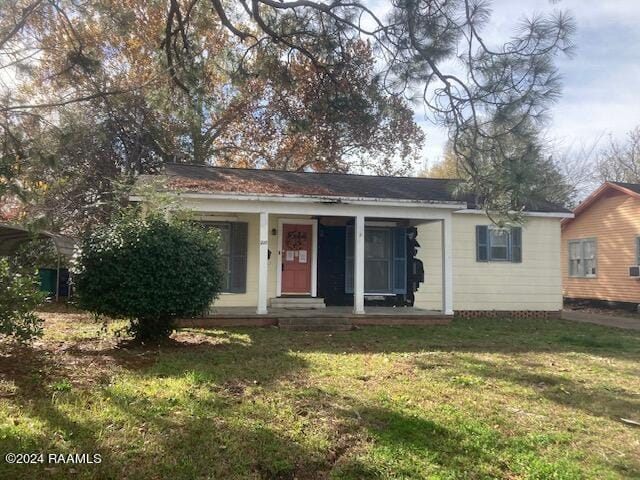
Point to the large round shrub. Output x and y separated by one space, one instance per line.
150 271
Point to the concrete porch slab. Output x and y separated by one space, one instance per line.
247 316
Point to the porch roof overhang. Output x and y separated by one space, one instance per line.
324 199
314 205
331 205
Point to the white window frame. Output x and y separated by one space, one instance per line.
507 234
583 260
388 259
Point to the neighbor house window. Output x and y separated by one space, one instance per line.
582 258
233 255
637 250
495 244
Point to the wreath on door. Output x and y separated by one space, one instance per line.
296 240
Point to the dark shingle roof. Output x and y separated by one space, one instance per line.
197 178
634 187
220 179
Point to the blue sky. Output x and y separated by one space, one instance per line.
601 94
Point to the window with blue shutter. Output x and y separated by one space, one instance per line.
399 266
516 244
385 265
349 260
238 258
233 254
494 244
482 243
377 260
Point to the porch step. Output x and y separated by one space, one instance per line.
315 324
297 303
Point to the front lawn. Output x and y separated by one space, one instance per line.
516 399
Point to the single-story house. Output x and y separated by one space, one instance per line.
601 246
358 241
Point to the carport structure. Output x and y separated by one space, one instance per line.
12 236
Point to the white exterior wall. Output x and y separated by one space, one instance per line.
534 284
429 294
250 297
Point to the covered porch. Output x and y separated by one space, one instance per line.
270 259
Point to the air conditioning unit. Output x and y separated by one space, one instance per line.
634 271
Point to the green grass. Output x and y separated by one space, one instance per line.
513 399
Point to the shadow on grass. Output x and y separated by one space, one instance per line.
189 434
476 335
214 427
33 374
596 400
219 439
413 447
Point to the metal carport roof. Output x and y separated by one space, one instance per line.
12 236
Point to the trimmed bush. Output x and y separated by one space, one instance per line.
149 271
19 296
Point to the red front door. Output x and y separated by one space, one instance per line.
297 245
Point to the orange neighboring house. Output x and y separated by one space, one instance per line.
601 246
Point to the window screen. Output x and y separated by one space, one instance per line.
582 258
233 254
499 241
498 244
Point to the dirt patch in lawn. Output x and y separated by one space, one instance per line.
83 350
80 352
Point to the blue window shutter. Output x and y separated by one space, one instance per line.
348 260
482 243
238 260
399 248
516 244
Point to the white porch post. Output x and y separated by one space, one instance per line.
358 268
263 266
447 266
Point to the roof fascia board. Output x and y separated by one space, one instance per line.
596 195
289 198
409 211
591 198
623 189
526 214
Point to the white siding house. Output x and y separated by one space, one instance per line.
348 240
